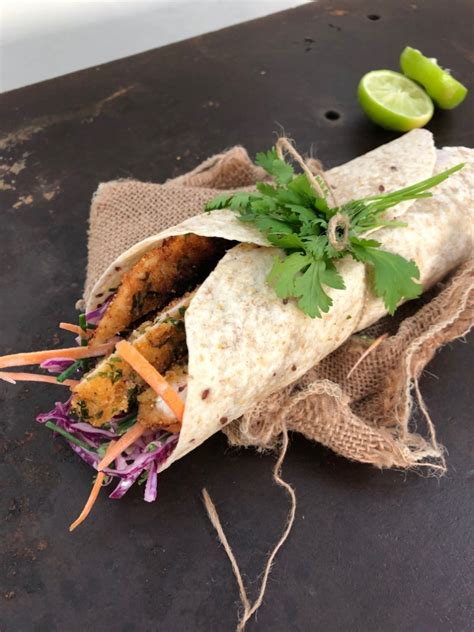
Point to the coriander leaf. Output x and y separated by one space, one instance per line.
365 243
267 189
392 275
322 206
282 275
316 245
221 201
263 204
278 233
240 200
309 287
285 196
304 213
282 172
267 224
285 242
315 227
265 159
331 277
279 169
301 186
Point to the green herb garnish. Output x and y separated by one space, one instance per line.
143 477
83 410
296 217
125 424
112 373
82 322
75 366
105 481
67 435
102 449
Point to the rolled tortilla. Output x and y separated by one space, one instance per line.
406 160
244 343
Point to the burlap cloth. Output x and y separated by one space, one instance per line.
365 417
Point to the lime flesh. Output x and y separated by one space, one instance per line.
444 89
393 101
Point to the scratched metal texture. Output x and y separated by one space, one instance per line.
370 550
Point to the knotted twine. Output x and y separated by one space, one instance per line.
361 412
251 609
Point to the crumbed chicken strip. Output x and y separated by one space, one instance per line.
106 391
153 411
161 273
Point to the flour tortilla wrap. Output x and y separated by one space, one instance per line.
404 161
244 343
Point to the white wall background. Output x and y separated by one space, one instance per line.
40 39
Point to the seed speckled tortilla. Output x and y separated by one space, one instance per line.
245 344
404 161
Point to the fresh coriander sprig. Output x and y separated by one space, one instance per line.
313 235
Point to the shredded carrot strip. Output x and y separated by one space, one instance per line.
75 329
152 377
13 378
73 353
92 496
122 444
372 347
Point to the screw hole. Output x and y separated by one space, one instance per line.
332 115
373 16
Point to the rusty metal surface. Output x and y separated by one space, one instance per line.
370 550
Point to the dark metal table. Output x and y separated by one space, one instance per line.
370 550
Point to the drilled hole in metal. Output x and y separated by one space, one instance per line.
373 16
332 115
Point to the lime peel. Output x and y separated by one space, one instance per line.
394 101
446 91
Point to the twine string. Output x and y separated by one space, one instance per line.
250 609
317 181
339 222
322 188
216 523
438 450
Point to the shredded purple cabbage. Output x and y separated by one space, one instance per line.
59 413
142 459
93 318
145 455
151 483
56 365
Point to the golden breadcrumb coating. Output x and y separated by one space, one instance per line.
161 273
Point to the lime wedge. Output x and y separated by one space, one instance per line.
393 101
444 89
